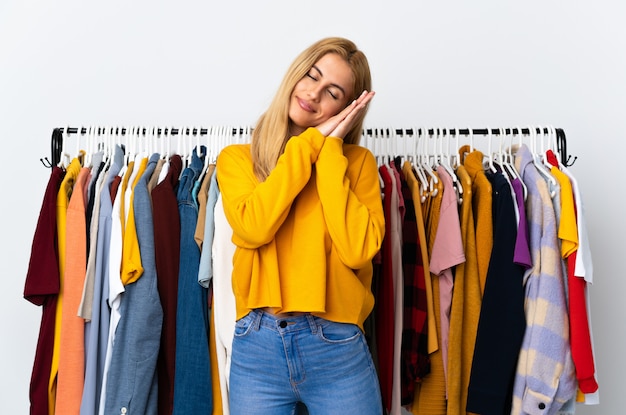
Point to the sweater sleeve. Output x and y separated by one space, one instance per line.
254 209
351 201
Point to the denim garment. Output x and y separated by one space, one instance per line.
193 393
97 329
279 362
132 382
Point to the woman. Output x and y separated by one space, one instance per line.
303 200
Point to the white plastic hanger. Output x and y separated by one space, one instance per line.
510 161
417 165
428 167
490 165
537 161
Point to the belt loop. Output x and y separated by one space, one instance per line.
312 323
258 315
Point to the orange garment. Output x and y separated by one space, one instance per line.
481 201
63 197
72 335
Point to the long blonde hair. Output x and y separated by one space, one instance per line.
271 132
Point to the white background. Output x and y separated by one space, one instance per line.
435 64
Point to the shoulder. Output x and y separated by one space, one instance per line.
234 153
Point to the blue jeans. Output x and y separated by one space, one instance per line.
279 362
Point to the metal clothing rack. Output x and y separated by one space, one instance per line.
56 142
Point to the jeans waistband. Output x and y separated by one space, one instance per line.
283 323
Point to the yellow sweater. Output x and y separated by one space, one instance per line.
304 237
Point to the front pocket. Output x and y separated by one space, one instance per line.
332 332
243 325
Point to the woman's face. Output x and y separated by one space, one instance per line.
322 93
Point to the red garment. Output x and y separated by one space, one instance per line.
42 288
384 309
580 336
167 256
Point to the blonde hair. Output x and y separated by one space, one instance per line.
271 132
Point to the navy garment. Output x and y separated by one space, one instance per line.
132 382
193 392
502 320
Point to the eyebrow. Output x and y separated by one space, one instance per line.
335 85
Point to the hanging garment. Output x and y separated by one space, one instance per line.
415 360
97 328
466 304
481 190
131 381
42 288
71 370
192 379
166 222
545 375
63 198
501 323
224 309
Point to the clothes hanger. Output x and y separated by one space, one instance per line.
552 183
428 167
490 164
417 167
511 163
446 163
64 159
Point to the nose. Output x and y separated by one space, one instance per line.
314 93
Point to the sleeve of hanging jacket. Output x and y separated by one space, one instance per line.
255 210
349 190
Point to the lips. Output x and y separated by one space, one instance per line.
304 105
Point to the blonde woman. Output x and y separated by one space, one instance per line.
304 202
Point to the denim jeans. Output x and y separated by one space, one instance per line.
279 362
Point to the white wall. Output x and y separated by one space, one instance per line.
480 63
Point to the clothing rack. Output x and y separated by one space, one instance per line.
56 141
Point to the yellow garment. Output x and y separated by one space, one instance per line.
218 408
568 228
430 312
63 199
132 269
466 303
481 201
306 236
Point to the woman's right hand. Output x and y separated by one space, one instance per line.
339 125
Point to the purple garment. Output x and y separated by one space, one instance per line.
521 255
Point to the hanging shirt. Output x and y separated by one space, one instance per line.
501 324
72 335
41 288
545 376
97 328
63 198
166 221
131 380
466 305
447 252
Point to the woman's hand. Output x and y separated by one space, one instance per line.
339 125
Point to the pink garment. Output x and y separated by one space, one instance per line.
447 252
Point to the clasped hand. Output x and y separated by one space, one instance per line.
339 125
